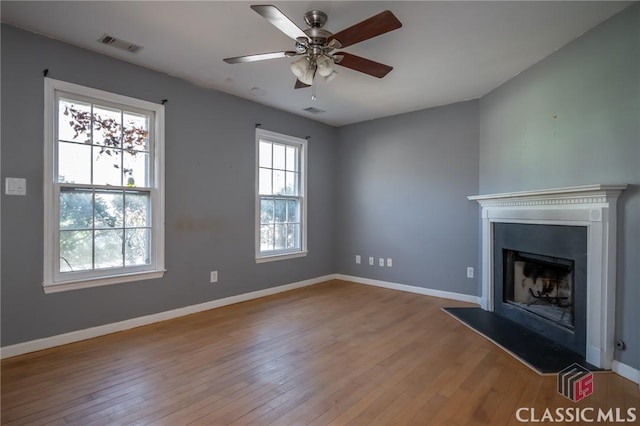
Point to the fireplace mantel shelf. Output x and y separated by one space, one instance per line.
592 206
571 195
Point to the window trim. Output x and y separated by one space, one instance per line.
301 144
55 281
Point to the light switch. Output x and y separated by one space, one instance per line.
15 186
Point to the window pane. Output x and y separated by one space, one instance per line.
107 127
108 247
291 183
266 211
280 237
265 154
76 250
137 209
74 121
278 156
106 166
292 211
266 237
292 159
76 209
74 163
136 247
135 169
293 236
280 211
265 182
136 131
278 182
109 209
107 132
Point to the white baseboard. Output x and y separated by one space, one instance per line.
411 289
626 371
617 367
89 333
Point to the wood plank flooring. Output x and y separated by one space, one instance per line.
336 353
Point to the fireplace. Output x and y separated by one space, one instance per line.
562 286
540 279
541 285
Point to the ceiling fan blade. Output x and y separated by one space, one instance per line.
260 57
279 20
363 65
379 24
300 85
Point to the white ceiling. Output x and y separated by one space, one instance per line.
445 52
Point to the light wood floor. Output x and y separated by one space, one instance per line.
335 353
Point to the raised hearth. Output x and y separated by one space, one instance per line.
590 206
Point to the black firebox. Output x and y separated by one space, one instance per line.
540 279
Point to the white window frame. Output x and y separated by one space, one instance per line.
301 144
54 280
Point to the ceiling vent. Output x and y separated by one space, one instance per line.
314 110
119 44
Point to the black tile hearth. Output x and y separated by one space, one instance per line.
538 352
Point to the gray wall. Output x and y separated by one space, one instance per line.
403 183
210 143
573 119
394 187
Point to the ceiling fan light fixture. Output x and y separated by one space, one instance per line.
308 77
300 67
331 76
303 70
325 66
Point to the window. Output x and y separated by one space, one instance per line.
103 187
280 196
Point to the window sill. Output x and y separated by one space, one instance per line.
284 256
97 282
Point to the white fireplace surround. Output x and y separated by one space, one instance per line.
592 206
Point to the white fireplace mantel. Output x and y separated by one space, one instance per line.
592 206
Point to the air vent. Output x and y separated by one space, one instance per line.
119 44
314 110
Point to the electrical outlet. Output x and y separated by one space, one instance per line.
389 262
469 272
381 262
371 261
214 276
358 259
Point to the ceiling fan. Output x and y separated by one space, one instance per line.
315 46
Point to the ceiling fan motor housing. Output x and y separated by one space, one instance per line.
315 18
